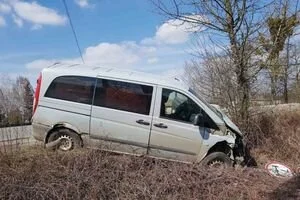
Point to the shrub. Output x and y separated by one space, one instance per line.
93 174
275 135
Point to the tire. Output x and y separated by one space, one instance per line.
69 139
219 158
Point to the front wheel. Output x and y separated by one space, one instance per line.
217 160
68 140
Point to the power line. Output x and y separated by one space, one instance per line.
73 30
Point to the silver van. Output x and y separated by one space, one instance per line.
131 112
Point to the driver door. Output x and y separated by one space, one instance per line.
173 135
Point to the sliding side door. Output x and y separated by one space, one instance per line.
122 115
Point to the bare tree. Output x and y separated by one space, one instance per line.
28 100
281 27
16 98
237 21
296 60
23 93
294 72
3 112
214 78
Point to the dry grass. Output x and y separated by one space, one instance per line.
276 136
92 174
35 173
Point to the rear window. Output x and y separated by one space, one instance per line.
124 96
72 88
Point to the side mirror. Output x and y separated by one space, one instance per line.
198 119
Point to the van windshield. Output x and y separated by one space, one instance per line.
206 103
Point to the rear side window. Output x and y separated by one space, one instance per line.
124 96
72 88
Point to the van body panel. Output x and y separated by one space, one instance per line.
115 146
67 106
40 131
51 112
179 140
118 128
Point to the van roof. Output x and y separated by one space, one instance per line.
93 71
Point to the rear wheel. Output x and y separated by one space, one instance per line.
68 139
217 160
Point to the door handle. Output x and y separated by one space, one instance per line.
161 125
140 121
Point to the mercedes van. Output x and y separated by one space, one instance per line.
131 112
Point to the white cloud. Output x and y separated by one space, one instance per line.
148 41
152 60
158 54
111 54
174 31
83 3
31 12
36 27
123 55
18 21
2 21
4 8
37 14
39 64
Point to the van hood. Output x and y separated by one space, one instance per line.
227 120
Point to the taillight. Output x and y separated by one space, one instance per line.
37 93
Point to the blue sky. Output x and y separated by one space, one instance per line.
116 33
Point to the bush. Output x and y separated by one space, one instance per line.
89 174
275 135
93 174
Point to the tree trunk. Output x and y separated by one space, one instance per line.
285 78
297 87
285 86
273 89
242 80
243 83
244 94
239 65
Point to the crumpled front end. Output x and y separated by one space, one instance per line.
228 142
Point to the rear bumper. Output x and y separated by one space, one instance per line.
39 131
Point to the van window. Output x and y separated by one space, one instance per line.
72 88
124 96
179 107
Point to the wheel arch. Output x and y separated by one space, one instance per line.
217 143
63 125
221 146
